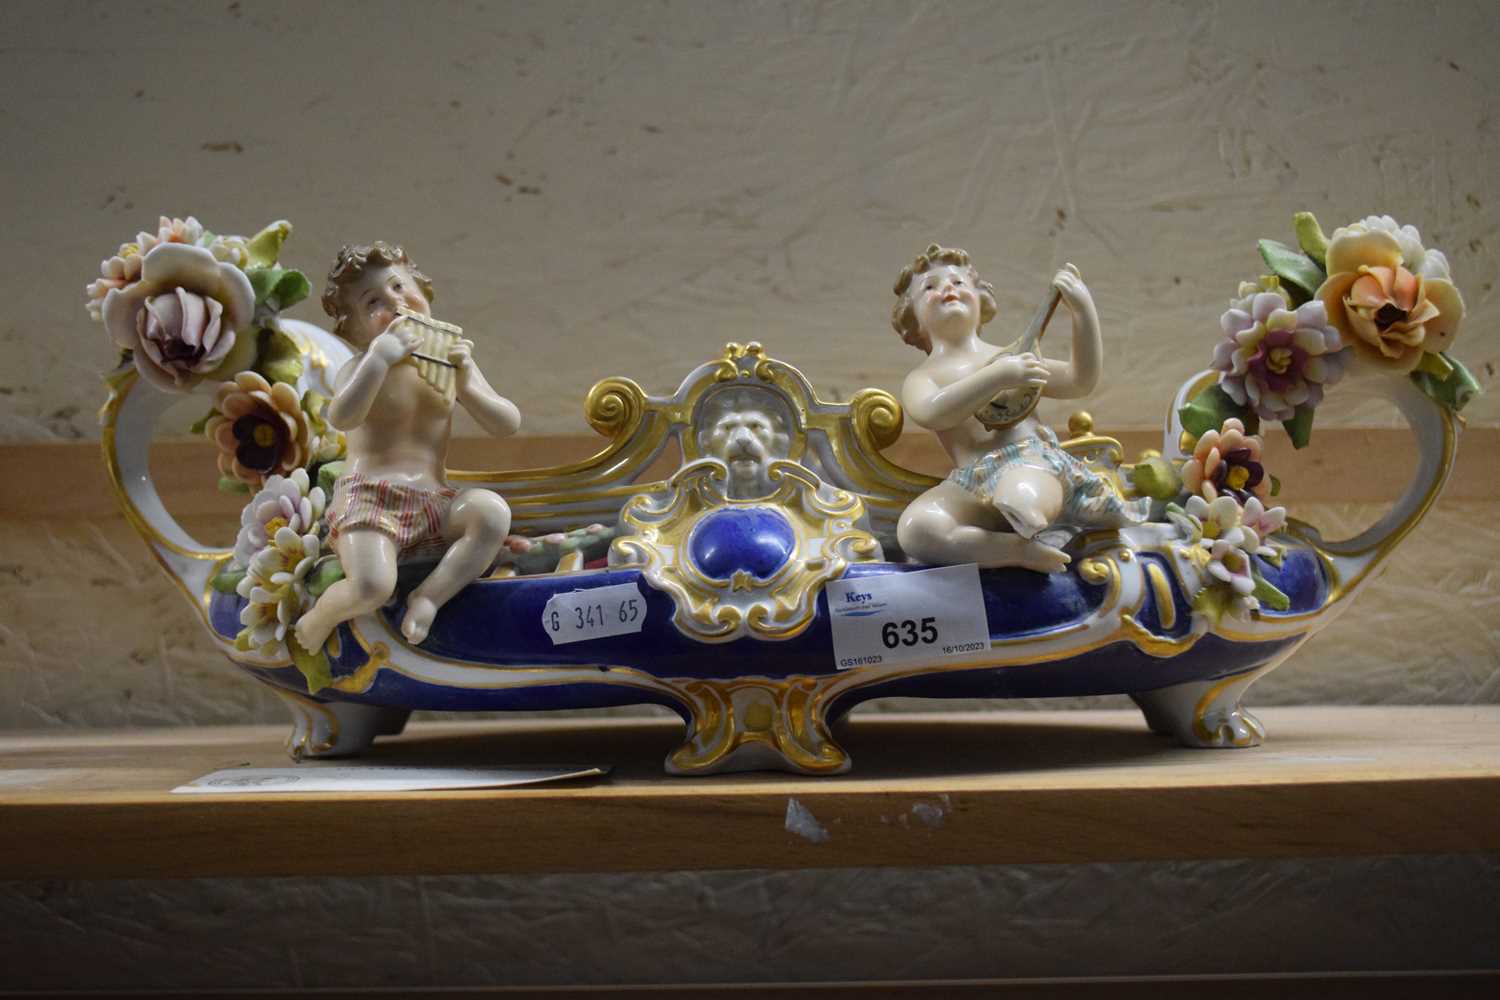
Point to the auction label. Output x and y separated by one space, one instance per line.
907 617
619 609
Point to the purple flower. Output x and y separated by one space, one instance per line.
1275 358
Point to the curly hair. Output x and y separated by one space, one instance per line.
352 263
904 313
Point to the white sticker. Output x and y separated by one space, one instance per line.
376 778
907 617
594 614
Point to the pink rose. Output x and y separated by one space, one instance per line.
183 334
187 317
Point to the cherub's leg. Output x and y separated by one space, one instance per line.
475 529
946 526
1029 497
368 557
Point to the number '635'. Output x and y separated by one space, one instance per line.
909 633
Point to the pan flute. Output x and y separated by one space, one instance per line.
431 355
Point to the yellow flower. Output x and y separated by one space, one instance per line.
1388 312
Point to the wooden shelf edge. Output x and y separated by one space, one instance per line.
930 790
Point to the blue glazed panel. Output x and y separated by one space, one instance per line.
1301 577
497 623
756 540
1119 668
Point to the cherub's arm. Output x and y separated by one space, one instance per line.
939 409
1078 376
496 414
359 381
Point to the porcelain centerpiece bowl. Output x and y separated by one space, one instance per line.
730 625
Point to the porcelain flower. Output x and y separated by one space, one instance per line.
275 585
1230 564
260 429
285 502
1222 521
1226 461
1389 296
230 249
1264 522
182 316
118 271
1430 263
1276 358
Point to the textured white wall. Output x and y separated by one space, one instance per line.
603 188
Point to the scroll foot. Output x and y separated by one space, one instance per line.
756 724
336 728
1204 713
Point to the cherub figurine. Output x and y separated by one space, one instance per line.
1010 483
394 499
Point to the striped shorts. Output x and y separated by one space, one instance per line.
411 516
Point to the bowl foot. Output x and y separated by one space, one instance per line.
757 724
336 728
1204 713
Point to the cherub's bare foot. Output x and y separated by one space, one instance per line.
1025 520
419 614
311 633
1043 558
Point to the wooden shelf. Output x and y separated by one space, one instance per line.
1005 787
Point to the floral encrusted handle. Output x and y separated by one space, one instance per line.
1370 304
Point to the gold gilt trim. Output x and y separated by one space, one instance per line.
307 713
640 426
119 390
1166 607
1152 644
615 408
783 716
777 607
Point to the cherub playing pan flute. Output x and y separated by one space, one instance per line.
394 399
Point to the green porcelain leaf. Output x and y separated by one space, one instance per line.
328 475
1214 601
1310 238
1300 275
325 574
314 667
265 246
201 424
227 581
1269 595
280 359
277 288
1156 478
1299 428
1455 391
1208 410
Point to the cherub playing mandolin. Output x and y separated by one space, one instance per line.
395 399
1012 481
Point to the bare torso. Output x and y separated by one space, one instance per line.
404 437
970 440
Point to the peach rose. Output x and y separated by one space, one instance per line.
1390 306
